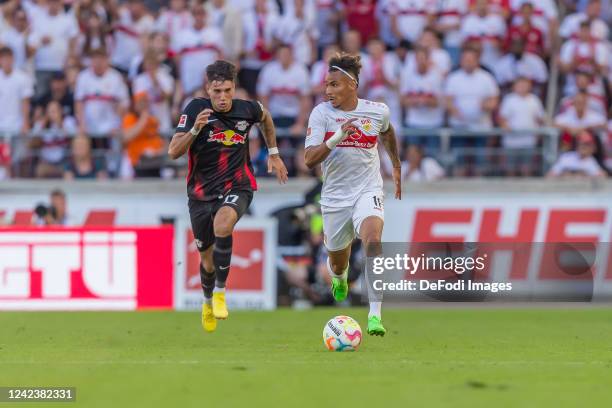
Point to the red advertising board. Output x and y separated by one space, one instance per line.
86 268
247 271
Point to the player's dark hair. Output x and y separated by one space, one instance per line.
221 71
348 62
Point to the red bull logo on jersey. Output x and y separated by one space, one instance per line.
226 137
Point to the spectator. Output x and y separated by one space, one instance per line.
486 30
319 72
520 110
174 19
583 54
448 24
518 63
327 20
360 15
380 80
53 38
418 168
584 84
15 93
58 92
95 36
51 138
157 44
15 37
157 83
228 21
421 88
298 30
471 97
580 118
133 23
82 165
598 28
545 17
196 48
471 93
439 57
526 31
58 207
382 12
283 88
399 57
101 98
585 161
258 27
410 17
141 137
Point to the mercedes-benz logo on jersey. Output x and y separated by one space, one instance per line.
242 125
226 137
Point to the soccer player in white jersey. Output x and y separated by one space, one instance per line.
342 135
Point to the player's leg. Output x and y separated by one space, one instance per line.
201 224
369 222
338 236
338 266
207 277
233 206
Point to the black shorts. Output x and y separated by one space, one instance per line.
202 214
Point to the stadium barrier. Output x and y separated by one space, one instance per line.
486 156
464 210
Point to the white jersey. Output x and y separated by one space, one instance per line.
353 167
101 97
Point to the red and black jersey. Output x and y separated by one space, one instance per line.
219 156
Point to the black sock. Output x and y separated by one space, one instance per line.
208 282
222 256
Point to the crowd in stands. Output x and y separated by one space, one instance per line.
93 88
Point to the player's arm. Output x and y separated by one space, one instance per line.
181 141
315 154
275 162
390 143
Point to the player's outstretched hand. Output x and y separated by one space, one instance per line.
397 180
276 165
348 128
202 119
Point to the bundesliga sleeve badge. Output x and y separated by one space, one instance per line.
182 121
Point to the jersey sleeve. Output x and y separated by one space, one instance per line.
315 133
257 110
386 115
188 117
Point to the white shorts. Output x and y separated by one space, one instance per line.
341 224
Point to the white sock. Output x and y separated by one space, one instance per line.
218 290
375 309
344 275
208 301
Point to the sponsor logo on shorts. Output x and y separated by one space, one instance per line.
198 243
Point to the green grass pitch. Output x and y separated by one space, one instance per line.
461 357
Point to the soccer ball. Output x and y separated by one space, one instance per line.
342 333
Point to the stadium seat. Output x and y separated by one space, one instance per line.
23 217
100 217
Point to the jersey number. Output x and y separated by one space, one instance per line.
231 199
378 202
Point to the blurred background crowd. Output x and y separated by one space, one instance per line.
93 88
